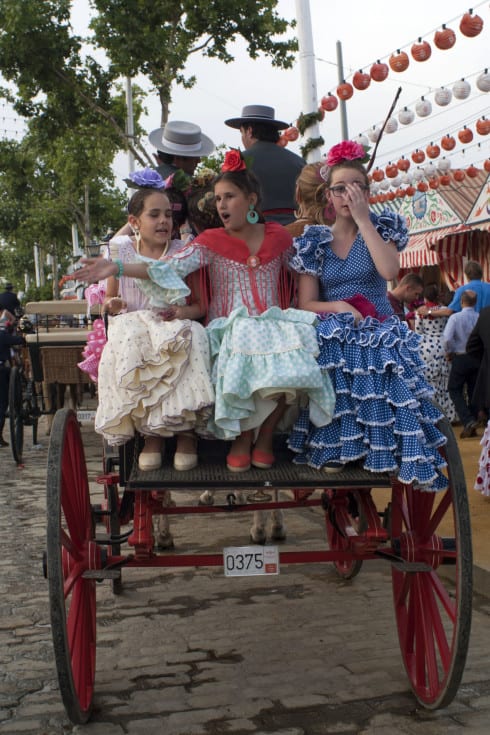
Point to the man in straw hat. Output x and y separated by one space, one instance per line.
275 167
179 145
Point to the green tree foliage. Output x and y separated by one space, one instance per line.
156 37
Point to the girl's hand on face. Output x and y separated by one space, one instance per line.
95 269
357 200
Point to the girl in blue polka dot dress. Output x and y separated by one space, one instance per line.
384 416
264 353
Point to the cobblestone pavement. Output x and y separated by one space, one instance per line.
190 652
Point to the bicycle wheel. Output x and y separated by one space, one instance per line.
433 613
16 418
71 551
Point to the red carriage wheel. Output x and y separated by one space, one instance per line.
431 533
344 518
71 551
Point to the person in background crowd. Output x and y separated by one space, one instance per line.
409 288
275 167
478 346
9 300
464 367
474 275
7 341
311 196
180 145
432 350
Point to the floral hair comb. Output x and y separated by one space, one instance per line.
233 161
147 178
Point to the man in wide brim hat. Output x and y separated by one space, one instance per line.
256 114
181 145
276 168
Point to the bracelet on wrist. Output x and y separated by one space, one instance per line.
120 268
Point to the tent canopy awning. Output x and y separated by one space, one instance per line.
432 247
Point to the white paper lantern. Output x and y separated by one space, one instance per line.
391 125
384 184
443 96
396 181
406 116
483 81
373 134
430 170
443 165
418 174
461 89
423 108
362 140
406 179
374 187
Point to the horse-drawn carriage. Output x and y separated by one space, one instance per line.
46 365
425 538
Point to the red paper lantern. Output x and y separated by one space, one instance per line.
465 135
361 80
379 71
403 164
391 195
472 171
444 39
391 170
445 180
378 174
433 150
486 165
422 186
329 103
418 156
283 141
410 190
399 61
448 142
345 91
421 51
470 25
459 175
434 182
483 126
291 133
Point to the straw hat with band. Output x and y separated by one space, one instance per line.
256 114
179 138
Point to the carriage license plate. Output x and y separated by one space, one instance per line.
85 416
247 561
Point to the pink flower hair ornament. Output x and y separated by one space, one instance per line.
233 161
348 150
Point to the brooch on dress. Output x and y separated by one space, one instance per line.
253 261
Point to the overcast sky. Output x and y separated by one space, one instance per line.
366 32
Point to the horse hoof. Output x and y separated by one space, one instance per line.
278 533
258 536
164 541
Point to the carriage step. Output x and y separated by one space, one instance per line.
102 574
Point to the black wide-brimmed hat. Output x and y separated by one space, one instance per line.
179 138
258 114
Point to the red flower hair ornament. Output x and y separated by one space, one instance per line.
233 161
348 150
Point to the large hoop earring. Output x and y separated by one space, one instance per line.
252 215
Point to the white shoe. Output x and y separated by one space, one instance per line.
183 462
150 461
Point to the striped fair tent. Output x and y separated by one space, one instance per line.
447 226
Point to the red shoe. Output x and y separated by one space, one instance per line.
263 460
238 462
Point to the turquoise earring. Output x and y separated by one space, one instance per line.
252 215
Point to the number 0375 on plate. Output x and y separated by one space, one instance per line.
247 561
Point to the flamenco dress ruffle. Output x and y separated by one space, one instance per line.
257 359
482 483
384 416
